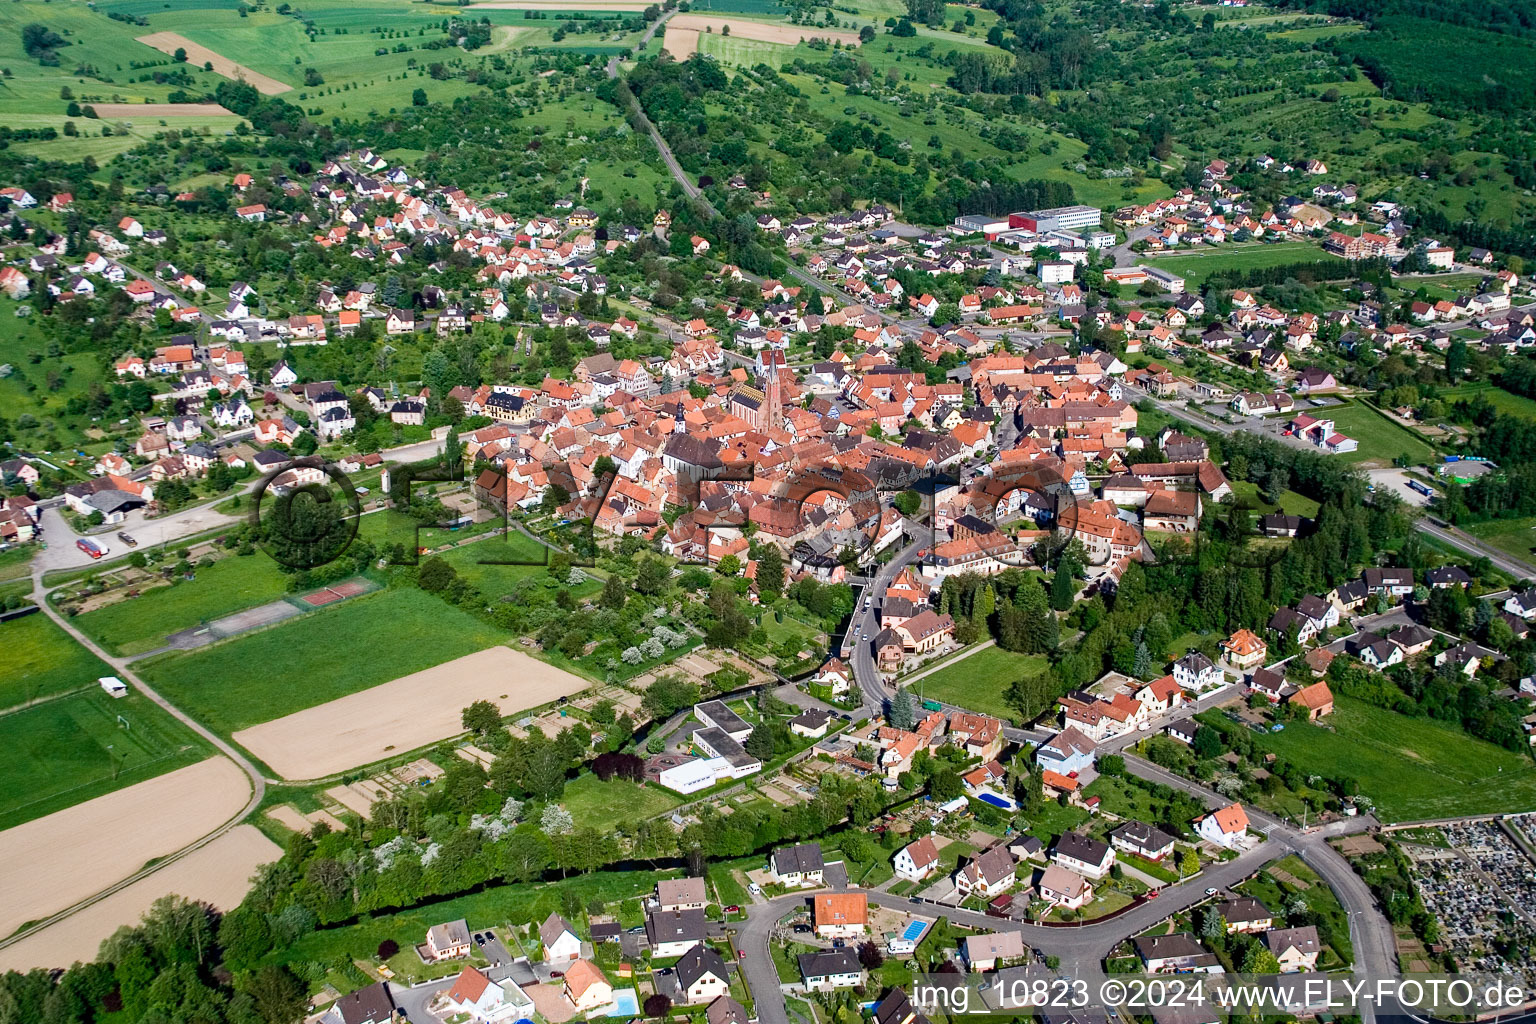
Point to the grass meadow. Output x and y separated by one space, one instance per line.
140 624
979 681
1413 768
1198 264
1380 439
65 751
38 659
317 658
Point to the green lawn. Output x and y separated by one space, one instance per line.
69 750
1380 439
1515 536
140 624
1197 265
1501 400
1291 503
38 659
1413 768
315 658
605 805
979 681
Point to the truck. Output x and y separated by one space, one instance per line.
1421 488
932 705
90 547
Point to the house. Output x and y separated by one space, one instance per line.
1296 948
986 875
1395 583
1142 840
1278 524
726 1010
1195 671
1224 827
482 999
1183 730
1244 649
701 976
1444 576
830 969
674 932
1246 914
1067 752
1179 952
1026 847
1084 855
1467 657
560 940
681 894
448 941
916 861
1064 888
988 952
797 865
585 987
370 1005
841 915
1374 650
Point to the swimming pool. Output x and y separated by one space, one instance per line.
625 1004
995 801
914 930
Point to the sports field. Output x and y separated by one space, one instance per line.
1198 264
64 751
218 873
296 665
979 681
1413 768
142 623
409 712
38 659
80 851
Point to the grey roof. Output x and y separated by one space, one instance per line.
804 858
1160 947
698 962
371 1005
828 962
676 926
553 927
1142 836
1304 939
1244 909
1082 848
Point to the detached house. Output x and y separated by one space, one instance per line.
986 875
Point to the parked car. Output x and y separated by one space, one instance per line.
127 539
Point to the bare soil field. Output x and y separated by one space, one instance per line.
170 42
54 862
219 873
405 714
682 37
289 817
126 111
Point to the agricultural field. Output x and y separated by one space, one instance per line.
139 624
1412 768
82 745
979 681
366 641
38 659
1198 264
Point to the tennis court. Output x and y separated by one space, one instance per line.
340 592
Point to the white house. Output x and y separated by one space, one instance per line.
987 875
486 1000
1224 827
560 940
916 861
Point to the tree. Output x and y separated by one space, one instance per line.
1259 960
652 577
436 575
760 743
945 786
729 565
903 713
870 956
908 503
770 571
279 996
614 594
657 1005
180 56
1063 590
419 98
483 718
1207 743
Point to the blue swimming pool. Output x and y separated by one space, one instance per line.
996 801
625 1004
914 930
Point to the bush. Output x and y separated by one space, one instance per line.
388 948
657 1005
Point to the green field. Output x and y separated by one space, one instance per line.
1291 503
1501 400
315 658
1380 439
69 750
1515 536
140 624
1413 768
38 659
979 681
1200 264
604 805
